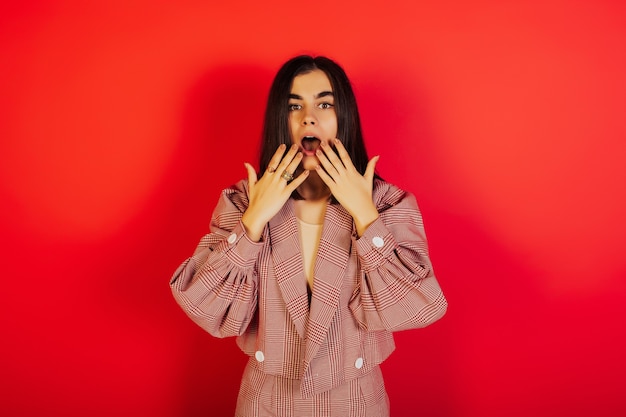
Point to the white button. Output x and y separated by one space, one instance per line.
378 242
358 364
259 356
232 238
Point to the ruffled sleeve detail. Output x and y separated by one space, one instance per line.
217 287
397 289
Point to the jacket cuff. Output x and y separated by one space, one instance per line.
375 245
240 249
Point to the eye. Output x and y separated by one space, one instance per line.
326 106
293 107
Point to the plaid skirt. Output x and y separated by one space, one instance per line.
262 395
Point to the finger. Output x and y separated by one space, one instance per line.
326 163
326 178
252 178
298 181
293 165
332 156
343 154
276 158
287 159
371 166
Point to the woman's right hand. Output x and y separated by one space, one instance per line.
269 193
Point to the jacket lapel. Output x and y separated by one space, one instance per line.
287 260
312 323
330 265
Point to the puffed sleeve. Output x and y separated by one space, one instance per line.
397 289
217 286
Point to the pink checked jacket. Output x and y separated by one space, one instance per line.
364 288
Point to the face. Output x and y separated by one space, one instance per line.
312 117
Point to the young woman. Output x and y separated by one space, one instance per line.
313 262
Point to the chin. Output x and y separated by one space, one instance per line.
309 162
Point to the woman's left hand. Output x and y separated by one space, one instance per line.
351 189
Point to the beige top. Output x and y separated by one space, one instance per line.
310 235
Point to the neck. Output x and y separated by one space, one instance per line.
314 188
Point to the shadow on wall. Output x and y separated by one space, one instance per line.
221 129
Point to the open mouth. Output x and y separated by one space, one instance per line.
310 144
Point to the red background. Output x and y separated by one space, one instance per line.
120 124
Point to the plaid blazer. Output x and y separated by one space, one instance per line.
364 288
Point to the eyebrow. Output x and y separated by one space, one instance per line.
319 95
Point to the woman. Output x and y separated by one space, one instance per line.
314 263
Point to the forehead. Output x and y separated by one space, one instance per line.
311 83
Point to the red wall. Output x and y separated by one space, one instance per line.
119 125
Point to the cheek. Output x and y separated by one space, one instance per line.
331 126
293 128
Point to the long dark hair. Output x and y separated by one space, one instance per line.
276 127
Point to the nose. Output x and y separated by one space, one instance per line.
309 118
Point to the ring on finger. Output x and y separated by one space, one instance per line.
286 175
